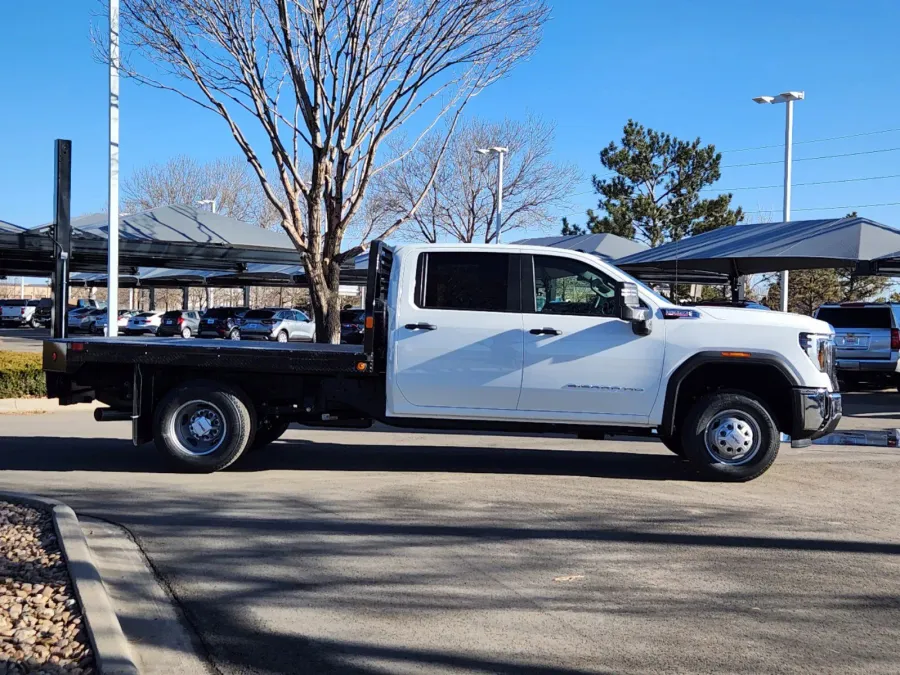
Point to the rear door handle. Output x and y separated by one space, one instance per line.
420 326
545 331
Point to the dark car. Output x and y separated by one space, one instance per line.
353 326
179 322
222 322
44 311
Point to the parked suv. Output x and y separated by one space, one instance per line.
179 322
222 322
280 325
867 340
18 312
353 326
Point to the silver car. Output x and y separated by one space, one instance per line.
277 324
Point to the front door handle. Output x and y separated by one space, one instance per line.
545 331
420 326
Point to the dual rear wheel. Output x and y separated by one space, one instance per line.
205 426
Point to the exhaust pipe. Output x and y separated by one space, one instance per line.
110 415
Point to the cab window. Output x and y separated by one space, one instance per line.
569 286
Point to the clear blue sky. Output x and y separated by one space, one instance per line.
686 68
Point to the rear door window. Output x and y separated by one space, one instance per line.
856 317
474 281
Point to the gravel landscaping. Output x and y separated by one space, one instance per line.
41 627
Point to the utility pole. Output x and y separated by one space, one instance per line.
112 280
499 152
787 97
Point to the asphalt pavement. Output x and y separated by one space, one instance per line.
23 339
378 552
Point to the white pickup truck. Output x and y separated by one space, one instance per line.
467 337
19 312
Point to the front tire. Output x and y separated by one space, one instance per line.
235 334
282 336
730 436
203 427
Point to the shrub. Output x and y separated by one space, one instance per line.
21 375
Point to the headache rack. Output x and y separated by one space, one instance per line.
381 260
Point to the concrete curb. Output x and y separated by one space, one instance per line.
12 406
112 653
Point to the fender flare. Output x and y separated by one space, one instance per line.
699 359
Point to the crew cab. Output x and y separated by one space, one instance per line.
468 337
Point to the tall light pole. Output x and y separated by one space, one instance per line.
211 203
499 152
787 97
112 278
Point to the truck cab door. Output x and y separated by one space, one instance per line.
583 363
457 342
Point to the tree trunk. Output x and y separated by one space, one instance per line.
324 294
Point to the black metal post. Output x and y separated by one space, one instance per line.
151 292
62 237
246 296
737 288
185 297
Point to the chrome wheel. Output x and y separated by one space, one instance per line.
186 333
733 437
199 428
282 337
234 334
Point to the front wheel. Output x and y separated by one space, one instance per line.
203 426
730 436
282 336
235 334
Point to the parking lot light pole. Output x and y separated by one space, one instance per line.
112 279
499 152
787 97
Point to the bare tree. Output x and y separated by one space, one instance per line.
182 180
327 82
461 191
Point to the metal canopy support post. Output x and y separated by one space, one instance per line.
185 298
246 296
112 297
151 299
62 236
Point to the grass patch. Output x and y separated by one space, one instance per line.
21 375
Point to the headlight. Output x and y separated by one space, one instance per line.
820 350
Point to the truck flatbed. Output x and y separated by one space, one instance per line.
68 355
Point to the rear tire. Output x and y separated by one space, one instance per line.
203 426
730 436
235 334
186 333
282 337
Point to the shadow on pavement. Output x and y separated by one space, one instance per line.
116 455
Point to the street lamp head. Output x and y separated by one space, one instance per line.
482 151
764 99
498 149
792 96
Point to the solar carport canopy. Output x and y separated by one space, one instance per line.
179 237
769 247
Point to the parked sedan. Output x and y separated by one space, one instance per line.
144 322
124 316
222 322
179 322
280 325
84 321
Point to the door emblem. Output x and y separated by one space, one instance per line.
602 387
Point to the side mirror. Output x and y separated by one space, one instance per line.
628 305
